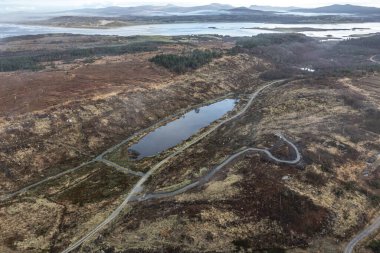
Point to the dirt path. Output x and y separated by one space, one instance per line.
121 168
362 235
376 224
99 158
372 59
27 188
206 178
139 185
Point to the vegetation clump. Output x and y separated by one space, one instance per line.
19 63
374 246
364 42
186 61
271 39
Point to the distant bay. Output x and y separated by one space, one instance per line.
232 29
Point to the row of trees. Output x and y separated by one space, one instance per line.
33 62
186 61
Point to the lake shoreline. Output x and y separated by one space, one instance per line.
237 29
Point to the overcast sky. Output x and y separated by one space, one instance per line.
43 5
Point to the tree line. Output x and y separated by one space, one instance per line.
271 39
33 61
186 61
372 42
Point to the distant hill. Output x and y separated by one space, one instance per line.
244 11
151 10
271 8
337 8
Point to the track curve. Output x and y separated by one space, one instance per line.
138 187
207 178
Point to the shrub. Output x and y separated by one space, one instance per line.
372 122
374 246
375 183
315 178
338 192
375 200
350 186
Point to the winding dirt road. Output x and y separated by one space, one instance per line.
373 59
362 235
139 185
376 224
207 178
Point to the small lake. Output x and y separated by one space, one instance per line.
231 29
181 129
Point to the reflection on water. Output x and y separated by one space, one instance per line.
175 132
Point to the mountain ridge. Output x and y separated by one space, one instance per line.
341 8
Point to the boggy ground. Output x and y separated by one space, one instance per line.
48 217
254 204
227 214
93 106
97 105
250 205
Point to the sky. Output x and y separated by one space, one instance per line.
49 5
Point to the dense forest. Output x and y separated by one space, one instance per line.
186 61
367 42
33 62
271 39
19 63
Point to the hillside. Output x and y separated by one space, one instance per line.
293 167
151 10
337 8
245 11
271 8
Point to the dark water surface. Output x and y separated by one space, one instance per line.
175 132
